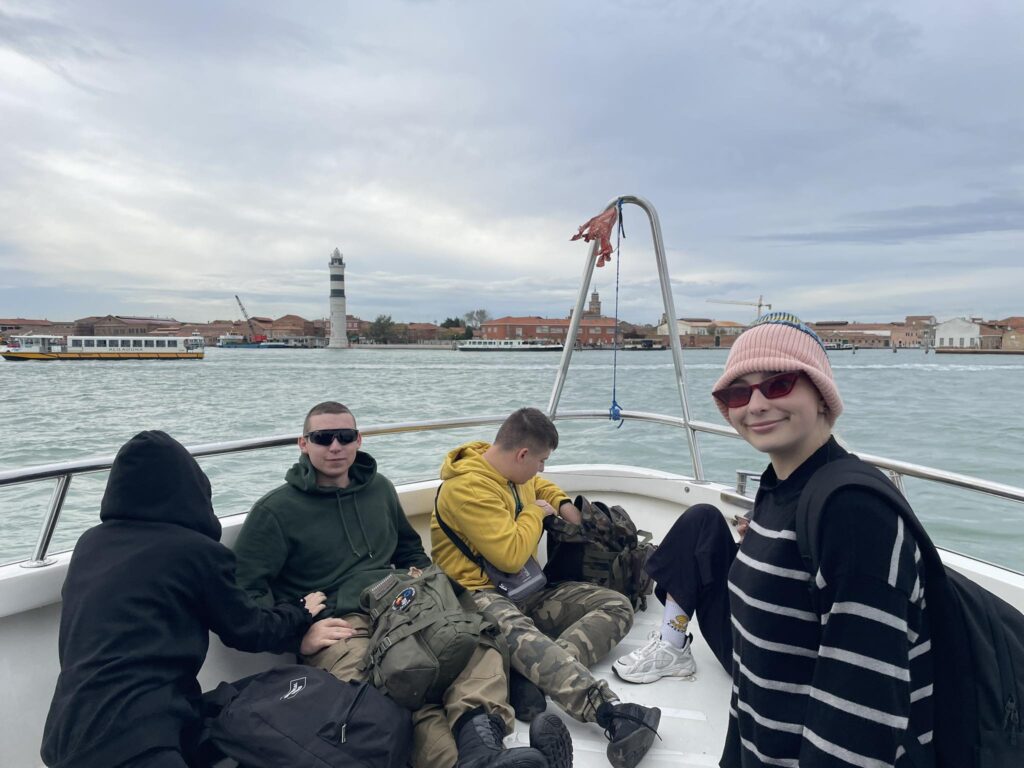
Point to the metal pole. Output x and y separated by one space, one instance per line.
60 492
670 314
673 337
574 325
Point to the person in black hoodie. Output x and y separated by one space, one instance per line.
144 589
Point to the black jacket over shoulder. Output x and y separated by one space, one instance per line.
143 590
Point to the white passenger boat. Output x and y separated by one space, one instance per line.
105 348
235 341
509 345
842 345
644 345
694 714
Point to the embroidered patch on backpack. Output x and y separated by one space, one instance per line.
404 599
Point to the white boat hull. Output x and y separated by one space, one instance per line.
694 714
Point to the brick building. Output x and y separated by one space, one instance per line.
123 325
21 326
292 327
1013 340
925 326
860 335
703 332
593 331
422 332
906 337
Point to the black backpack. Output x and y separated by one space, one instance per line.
303 717
977 639
606 549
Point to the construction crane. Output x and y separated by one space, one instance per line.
253 336
760 303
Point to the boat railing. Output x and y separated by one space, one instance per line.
63 472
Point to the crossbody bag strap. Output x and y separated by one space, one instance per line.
455 539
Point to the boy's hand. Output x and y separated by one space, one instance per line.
314 602
324 634
546 508
568 512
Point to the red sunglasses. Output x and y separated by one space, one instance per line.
774 387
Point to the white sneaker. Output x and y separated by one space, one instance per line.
655 660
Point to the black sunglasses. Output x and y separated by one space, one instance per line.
772 388
325 437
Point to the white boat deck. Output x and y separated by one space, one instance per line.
694 714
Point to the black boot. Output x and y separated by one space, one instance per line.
479 740
525 697
630 729
550 737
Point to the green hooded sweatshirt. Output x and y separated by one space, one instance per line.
301 538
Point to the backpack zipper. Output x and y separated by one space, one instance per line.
348 713
1011 719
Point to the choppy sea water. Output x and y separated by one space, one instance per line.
951 412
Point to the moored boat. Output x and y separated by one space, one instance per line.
841 345
278 345
509 345
105 348
643 345
235 341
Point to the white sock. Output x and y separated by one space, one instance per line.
673 624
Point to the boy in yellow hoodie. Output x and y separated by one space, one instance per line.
492 500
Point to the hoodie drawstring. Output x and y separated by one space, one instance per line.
344 525
362 528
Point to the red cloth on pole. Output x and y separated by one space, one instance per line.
600 228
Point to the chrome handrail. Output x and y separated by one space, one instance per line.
670 320
63 472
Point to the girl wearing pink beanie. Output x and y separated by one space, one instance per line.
834 667
777 390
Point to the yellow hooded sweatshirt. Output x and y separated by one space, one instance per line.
479 505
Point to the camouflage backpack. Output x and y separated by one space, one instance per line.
422 636
604 549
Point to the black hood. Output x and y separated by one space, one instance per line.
155 479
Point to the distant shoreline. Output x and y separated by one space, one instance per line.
448 346
953 351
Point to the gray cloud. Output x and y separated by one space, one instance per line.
992 214
191 150
45 40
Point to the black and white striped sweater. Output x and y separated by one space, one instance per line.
850 685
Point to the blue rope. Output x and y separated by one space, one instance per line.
615 412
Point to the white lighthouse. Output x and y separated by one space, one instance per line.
339 320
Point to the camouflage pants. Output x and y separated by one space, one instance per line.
481 684
555 635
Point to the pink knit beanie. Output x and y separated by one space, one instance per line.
779 341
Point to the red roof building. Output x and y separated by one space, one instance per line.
593 331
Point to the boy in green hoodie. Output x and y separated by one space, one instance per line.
339 524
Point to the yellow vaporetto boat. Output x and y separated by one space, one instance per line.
104 348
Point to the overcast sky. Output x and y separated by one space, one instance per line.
860 160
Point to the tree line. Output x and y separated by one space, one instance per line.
384 330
